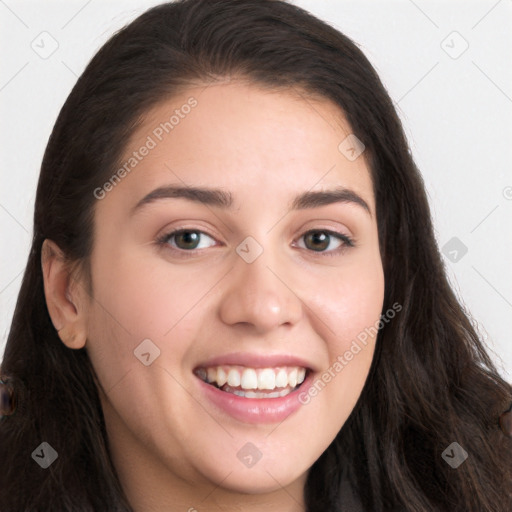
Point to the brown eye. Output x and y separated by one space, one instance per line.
317 240
186 239
321 240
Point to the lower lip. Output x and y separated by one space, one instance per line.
255 410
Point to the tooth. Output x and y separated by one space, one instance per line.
212 374
267 379
256 394
234 377
292 378
249 379
281 378
222 378
252 378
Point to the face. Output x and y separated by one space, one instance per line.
260 287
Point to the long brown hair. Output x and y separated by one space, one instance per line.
431 382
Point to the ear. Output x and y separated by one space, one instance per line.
65 297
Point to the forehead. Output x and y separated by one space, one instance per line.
244 138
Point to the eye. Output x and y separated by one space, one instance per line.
185 239
319 240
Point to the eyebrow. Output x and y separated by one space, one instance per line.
222 199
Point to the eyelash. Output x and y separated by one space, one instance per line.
347 242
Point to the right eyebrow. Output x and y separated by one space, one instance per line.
208 196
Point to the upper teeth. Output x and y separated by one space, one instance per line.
253 378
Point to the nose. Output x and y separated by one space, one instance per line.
260 294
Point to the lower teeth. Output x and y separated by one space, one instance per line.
257 394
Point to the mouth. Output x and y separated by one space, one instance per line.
254 383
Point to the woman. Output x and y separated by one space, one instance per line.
176 346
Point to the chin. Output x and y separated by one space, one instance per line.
249 483
254 480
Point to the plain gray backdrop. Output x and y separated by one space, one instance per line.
446 65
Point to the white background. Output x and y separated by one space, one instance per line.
457 113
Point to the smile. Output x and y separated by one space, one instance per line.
256 383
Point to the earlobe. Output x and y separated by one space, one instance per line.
63 297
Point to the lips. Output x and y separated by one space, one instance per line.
253 387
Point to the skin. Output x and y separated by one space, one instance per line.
172 448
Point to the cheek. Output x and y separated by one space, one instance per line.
146 297
350 302
135 313
135 301
350 307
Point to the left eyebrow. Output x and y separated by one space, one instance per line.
222 199
325 197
